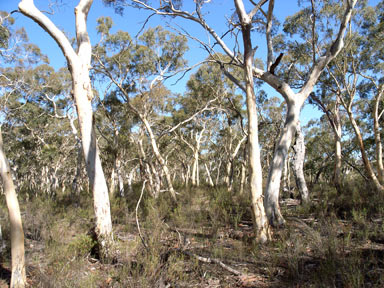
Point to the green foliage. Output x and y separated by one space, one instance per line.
82 245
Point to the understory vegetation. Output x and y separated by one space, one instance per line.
337 241
156 153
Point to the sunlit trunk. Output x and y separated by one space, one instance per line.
79 63
379 148
18 277
367 163
159 157
299 158
255 171
210 181
273 183
286 177
338 163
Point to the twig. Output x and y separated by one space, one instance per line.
137 218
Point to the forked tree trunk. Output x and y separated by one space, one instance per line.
78 64
295 102
273 183
18 277
299 149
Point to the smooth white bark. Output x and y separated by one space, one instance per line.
298 163
79 64
18 276
159 157
256 180
295 102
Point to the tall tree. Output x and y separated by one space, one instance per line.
137 72
79 64
18 275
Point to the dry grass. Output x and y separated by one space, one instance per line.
319 247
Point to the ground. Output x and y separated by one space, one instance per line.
206 240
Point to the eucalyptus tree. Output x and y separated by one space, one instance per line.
18 275
114 123
137 71
78 63
322 54
217 121
355 78
331 108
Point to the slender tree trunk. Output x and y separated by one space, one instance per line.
112 183
78 64
159 157
260 220
273 186
243 176
129 181
338 162
120 177
18 277
299 149
146 170
218 172
194 168
210 181
294 103
187 175
286 178
379 148
367 163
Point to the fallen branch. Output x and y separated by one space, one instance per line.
213 260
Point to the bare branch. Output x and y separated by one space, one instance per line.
268 34
331 53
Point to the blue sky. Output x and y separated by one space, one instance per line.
216 13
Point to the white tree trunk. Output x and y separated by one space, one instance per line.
112 183
286 177
159 157
337 131
18 277
218 172
242 177
273 183
120 178
364 156
376 127
295 102
256 179
79 64
210 181
298 160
